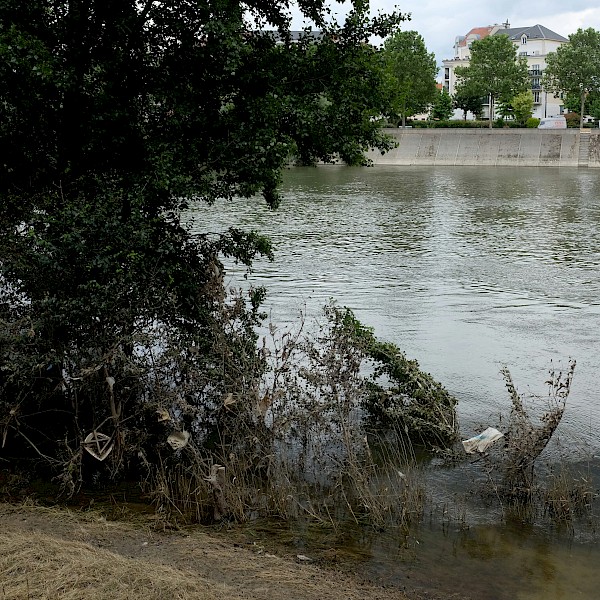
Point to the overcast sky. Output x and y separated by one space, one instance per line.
440 21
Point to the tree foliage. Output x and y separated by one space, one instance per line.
114 116
494 70
468 100
522 105
442 106
411 72
575 67
591 107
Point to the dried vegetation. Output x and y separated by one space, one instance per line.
307 443
563 493
316 423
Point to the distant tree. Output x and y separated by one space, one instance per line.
519 108
572 102
592 105
504 110
442 106
522 105
495 70
468 100
575 67
411 72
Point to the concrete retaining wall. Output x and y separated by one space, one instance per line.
496 147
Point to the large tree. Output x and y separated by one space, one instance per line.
411 74
494 70
114 116
575 67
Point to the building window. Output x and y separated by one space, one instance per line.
535 69
524 40
535 83
447 73
536 97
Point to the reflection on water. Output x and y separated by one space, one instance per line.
466 269
488 562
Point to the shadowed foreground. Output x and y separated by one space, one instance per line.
57 554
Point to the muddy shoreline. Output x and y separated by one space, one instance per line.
60 553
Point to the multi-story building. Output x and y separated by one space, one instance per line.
534 43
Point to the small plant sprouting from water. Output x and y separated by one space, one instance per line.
568 494
562 494
526 439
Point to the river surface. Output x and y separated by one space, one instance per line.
466 269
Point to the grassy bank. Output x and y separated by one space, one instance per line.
60 554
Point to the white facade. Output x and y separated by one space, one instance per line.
534 43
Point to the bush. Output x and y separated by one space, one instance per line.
572 119
532 123
462 124
512 469
459 123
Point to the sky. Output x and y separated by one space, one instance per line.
440 21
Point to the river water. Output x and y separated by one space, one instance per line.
466 269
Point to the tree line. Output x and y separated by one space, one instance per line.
495 75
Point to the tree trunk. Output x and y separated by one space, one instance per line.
491 110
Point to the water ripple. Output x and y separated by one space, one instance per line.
465 268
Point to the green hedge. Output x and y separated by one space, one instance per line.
462 124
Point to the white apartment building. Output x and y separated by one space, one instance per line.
534 43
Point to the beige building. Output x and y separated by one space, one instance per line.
534 43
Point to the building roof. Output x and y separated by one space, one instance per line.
536 32
477 33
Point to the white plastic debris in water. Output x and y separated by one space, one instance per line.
481 442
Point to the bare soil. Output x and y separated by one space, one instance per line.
50 553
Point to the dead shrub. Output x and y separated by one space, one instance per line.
559 493
568 494
526 438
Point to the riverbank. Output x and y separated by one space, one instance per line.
68 555
492 147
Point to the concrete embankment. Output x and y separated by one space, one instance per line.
495 147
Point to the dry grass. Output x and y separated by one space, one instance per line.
569 495
526 438
35 566
57 554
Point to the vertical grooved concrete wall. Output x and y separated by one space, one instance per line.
496 147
